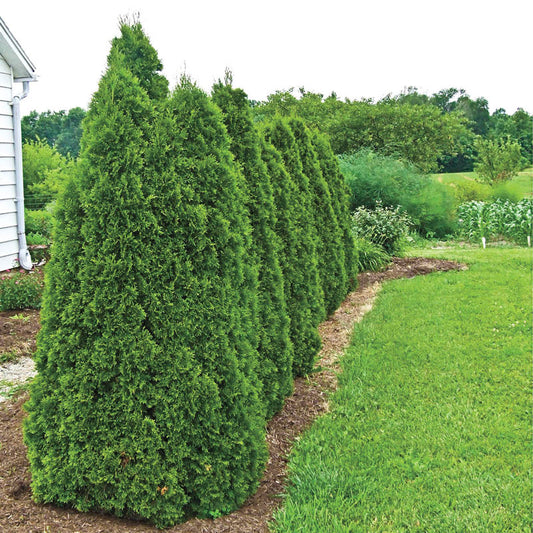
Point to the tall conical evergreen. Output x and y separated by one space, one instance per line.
92 439
226 431
305 300
141 59
275 347
339 200
330 252
146 404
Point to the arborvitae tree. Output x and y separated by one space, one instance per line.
275 347
92 437
330 252
145 404
223 412
340 203
141 59
305 301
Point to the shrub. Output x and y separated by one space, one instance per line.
298 249
274 345
330 252
370 256
339 200
39 222
145 404
497 160
385 226
469 191
21 291
373 178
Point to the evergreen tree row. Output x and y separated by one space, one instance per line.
193 260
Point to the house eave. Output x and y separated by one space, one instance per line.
12 52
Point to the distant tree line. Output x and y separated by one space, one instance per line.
441 131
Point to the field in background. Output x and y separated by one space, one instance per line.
430 428
521 185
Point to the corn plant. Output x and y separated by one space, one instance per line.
500 218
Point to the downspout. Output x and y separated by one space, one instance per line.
24 255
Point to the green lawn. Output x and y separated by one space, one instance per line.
430 429
521 186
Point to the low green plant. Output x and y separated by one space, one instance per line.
39 223
372 178
387 227
36 239
370 256
21 291
510 220
429 429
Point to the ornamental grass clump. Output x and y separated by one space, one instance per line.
146 401
295 227
274 345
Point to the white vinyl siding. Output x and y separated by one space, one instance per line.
8 215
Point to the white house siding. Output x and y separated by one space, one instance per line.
8 214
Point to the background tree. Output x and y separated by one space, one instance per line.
59 129
45 173
274 346
497 160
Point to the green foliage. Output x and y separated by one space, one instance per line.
329 248
385 226
274 345
39 222
59 129
295 227
373 178
498 160
146 402
419 134
370 256
429 429
140 58
501 218
45 173
21 291
340 203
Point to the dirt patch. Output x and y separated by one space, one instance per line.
310 399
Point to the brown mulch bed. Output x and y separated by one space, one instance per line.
18 330
18 513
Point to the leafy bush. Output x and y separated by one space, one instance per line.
39 222
370 256
469 191
497 160
372 178
385 226
511 220
21 291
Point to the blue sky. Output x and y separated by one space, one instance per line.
359 49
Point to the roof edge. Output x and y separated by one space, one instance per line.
13 53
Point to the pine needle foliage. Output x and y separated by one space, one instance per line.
305 300
330 252
340 202
274 348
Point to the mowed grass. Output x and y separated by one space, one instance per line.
430 429
520 186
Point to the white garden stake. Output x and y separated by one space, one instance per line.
484 242
529 241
